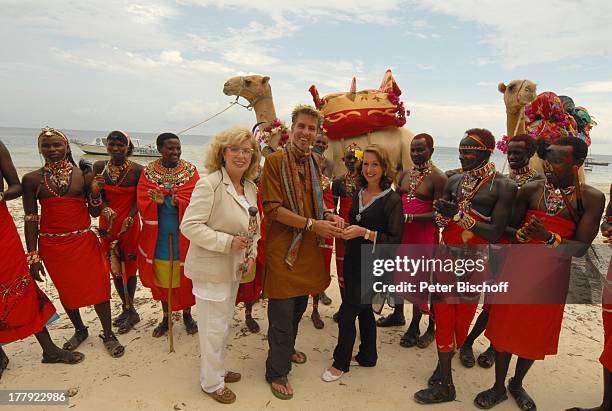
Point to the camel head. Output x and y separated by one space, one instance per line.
517 94
252 88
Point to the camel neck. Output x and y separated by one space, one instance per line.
264 110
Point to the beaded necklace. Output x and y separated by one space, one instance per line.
350 184
471 182
166 177
523 175
60 175
113 172
416 177
553 198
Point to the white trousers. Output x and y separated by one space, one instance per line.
215 308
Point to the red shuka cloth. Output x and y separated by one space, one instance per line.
24 308
250 292
606 356
453 320
417 232
182 297
532 331
121 200
75 262
343 211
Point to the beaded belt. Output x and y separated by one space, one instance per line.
64 234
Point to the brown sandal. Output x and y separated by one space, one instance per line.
223 395
231 376
77 338
113 346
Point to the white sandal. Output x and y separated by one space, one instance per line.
327 376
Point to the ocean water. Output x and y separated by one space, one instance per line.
21 142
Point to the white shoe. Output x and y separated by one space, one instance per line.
327 376
354 363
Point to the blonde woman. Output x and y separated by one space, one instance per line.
216 223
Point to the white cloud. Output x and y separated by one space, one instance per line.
531 32
116 22
379 12
421 66
593 87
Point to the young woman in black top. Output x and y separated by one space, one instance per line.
375 218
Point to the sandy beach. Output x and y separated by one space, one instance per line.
150 378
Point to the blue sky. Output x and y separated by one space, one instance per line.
160 65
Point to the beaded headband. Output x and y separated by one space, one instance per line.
124 134
51 132
481 145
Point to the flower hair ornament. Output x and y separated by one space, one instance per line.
264 135
355 150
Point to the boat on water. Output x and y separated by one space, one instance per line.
98 147
589 161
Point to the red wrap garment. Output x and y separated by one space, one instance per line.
24 308
532 331
453 320
606 307
182 297
121 200
74 261
423 234
250 292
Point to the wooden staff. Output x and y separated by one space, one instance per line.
126 294
170 337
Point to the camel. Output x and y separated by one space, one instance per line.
517 94
257 91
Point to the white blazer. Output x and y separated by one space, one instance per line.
212 219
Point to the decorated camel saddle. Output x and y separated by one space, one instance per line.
369 116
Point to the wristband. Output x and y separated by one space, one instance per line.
520 236
95 202
32 257
367 235
556 241
440 220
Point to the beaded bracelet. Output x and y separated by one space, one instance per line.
520 236
408 218
440 220
467 222
31 217
554 241
32 257
107 212
95 202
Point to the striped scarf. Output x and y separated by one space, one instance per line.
293 187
